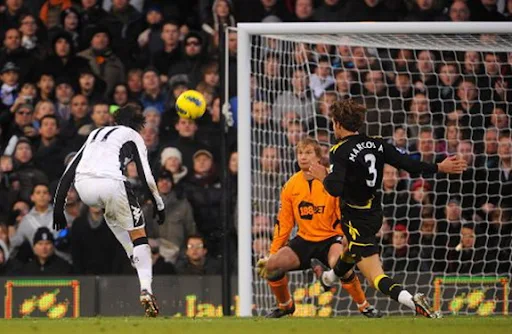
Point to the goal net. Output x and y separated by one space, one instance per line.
431 95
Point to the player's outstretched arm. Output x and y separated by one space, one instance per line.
59 219
141 161
451 165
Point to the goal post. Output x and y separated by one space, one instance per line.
438 36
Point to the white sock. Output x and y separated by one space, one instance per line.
329 277
405 298
124 239
144 266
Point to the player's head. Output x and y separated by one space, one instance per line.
129 116
308 152
347 116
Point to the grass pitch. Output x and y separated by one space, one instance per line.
340 325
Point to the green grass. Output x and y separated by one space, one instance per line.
340 325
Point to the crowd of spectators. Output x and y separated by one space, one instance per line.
64 63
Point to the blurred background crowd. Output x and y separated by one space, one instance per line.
65 63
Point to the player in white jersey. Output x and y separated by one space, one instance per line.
97 171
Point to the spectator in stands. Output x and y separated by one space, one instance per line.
100 117
261 226
41 215
186 142
424 10
71 23
179 222
21 126
426 78
448 78
404 61
420 115
9 89
160 266
420 196
79 118
378 104
448 146
94 249
329 11
394 201
490 158
298 98
222 13
63 93
498 232
400 256
425 146
102 60
120 95
171 52
15 53
197 261
260 247
45 261
32 39
151 138
51 11
401 95
472 63
92 14
399 139
203 191
500 179
193 58
149 39
46 87
368 10
90 86
25 171
322 78
49 150
459 11
344 83
426 241
487 12
18 210
449 228
466 258
152 93
172 162
500 119
10 17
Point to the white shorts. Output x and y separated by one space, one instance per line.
116 197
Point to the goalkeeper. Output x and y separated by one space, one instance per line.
304 201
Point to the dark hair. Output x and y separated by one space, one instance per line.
131 117
196 236
50 117
44 184
348 113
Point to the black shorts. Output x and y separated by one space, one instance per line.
360 227
306 250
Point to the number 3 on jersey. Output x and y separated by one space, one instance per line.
370 158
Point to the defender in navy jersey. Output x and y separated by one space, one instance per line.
98 175
355 176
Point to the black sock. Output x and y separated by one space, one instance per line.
342 267
388 286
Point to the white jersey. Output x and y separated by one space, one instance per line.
105 155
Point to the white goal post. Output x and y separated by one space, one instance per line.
332 33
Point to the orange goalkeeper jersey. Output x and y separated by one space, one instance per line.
307 204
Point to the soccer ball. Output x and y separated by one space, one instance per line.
190 104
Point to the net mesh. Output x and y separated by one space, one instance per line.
431 96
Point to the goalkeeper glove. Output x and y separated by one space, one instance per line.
261 267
